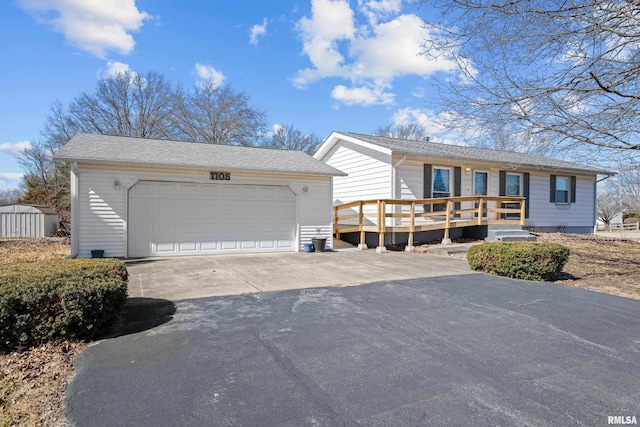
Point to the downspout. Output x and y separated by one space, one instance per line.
394 192
74 210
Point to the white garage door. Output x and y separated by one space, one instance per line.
167 218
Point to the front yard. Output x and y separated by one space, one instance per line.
33 382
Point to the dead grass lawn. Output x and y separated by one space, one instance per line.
600 264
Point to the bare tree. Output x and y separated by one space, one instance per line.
11 195
128 104
627 185
568 70
413 131
287 137
609 205
45 181
217 115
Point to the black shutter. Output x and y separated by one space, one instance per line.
426 192
503 189
525 193
573 189
552 189
457 185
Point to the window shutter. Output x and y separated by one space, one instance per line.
525 193
457 185
573 189
503 189
427 186
552 189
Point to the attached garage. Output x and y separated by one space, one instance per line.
169 218
134 197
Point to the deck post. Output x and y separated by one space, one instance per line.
446 240
412 227
362 245
336 228
382 220
522 210
481 211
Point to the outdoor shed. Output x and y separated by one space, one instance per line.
18 220
136 197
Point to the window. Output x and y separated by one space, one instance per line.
480 188
441 186
514 187
480 183
562 189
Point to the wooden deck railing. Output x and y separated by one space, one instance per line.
410 216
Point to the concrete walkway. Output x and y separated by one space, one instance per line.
182 278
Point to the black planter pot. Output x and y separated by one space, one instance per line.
319 244
97 253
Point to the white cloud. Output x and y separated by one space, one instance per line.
96 26
362 95
377 9
369 56
10 176
331 21
257 31
209 75
15 149
394 50
114 68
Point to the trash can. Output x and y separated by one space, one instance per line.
319 243
308 247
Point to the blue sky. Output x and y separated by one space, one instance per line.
321 65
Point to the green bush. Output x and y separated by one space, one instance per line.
69 298
519 260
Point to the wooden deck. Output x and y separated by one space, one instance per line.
411 216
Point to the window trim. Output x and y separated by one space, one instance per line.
567 191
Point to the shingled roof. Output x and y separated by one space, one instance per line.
433 150
129 151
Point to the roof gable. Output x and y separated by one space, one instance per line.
432 150
129 151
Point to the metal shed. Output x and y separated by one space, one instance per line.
17 220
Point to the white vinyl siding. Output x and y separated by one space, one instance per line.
368 173
543 213
102 206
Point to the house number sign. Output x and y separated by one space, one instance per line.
220 176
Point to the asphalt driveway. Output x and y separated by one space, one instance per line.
467 349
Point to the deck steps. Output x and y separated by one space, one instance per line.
508 233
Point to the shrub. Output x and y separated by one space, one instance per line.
519 260
69 298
